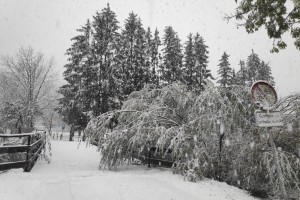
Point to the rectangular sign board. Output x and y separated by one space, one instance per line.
271 119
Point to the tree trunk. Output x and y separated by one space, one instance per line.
72 133
79 134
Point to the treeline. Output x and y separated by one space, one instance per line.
106 63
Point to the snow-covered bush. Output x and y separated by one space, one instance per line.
210 135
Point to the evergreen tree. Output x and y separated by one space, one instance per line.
104 44
70 109
195 65
253 65
202 73
155 43
133 57
254 70
76 97
189 62
142 67
225 72
148 49
241 75
258 70
234 79
172 57
265 73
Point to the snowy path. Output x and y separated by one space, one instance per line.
73 175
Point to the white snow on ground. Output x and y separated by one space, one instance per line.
73 175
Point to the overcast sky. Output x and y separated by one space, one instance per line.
48 26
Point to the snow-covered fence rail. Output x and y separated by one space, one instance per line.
65 136
22 153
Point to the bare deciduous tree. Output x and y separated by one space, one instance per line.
26 79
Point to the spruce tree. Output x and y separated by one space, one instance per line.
254 70
234 79
104 44
265 73
189 63
76 98
201 55
172 57
154 51
133 57
142 67
253 65
195 65
241 75
148 49
225 72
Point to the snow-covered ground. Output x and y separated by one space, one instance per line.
73 175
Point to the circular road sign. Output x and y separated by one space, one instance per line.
263 95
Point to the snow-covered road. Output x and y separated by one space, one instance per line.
73 175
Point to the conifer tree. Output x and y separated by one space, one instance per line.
76 97
195 65
142 67
241 75
105 88
225 72
148 49
155 43
201 55
133 57
189 62
253 65
265 73
234 80
172 57
254 70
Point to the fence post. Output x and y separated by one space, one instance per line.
27 168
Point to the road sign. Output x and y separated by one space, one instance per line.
263 95
268 119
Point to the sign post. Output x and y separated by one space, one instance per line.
265 97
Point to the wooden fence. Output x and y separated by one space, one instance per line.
65 136
28 148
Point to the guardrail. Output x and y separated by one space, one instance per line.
28 147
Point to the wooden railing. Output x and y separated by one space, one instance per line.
28 147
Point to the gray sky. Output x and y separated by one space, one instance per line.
48 26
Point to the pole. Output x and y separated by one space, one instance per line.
27 168
220 127
277 166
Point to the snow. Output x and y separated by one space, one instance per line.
73 175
